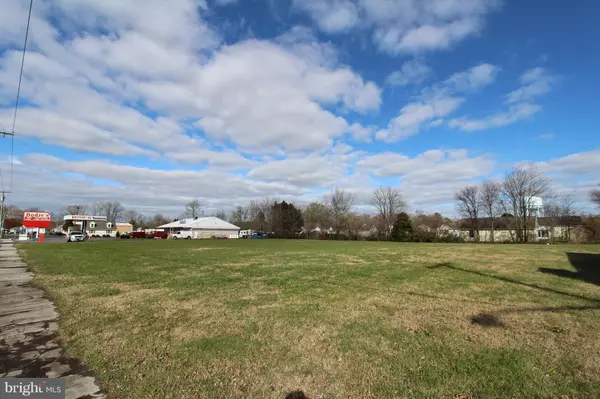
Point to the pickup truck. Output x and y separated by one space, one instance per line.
158 235
138 234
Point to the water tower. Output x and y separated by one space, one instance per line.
536 206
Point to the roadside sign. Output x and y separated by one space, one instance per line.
37 219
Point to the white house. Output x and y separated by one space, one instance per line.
208 227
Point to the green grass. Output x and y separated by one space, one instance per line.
256 319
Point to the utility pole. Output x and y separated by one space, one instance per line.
2 198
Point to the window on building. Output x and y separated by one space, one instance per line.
109 225
543 234
92 224
108 231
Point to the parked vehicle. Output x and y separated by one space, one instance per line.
125 236
162 235
182 235
75 236
138 234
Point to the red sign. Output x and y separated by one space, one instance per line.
37 219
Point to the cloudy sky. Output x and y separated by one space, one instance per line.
153 102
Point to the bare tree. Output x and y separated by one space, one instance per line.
469 205
221 215
112 210
134 218
595 196
519 189
98 208
388 202
192 209
74 210
340 206
490 202
316 214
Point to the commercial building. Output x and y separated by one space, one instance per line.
124 228
209 227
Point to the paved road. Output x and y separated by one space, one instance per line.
28 332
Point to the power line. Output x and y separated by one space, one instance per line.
22 65
12 132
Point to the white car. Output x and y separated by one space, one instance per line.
75 236
187 235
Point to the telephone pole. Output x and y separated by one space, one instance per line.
2 198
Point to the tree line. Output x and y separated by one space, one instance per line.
513 203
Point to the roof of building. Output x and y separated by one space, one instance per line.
125 224
200 223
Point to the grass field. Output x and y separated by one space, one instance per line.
255 319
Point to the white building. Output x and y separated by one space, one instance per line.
204 227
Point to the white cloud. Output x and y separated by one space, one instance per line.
412 72
535 83
514 114
431 177
225 160
413 115
180 184
261 96
331 15
474 78
311 171
401 26
437 102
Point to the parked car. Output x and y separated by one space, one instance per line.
187 235
138 234
75 236
125 236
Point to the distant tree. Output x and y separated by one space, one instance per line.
74 210
238 215
97 209
520 186
13 212
469 205
134 218
402 230
11 223
316 214
112 210
288 219
221 215
67 224
192 209
260 222
157 220
490 202
595 196
341 203
388 202
33 209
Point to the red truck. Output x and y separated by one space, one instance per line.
157 234
163 235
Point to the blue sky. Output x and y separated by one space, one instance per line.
153 103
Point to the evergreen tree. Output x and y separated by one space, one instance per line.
402 230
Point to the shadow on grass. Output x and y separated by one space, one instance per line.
513 281
587 268
494 320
